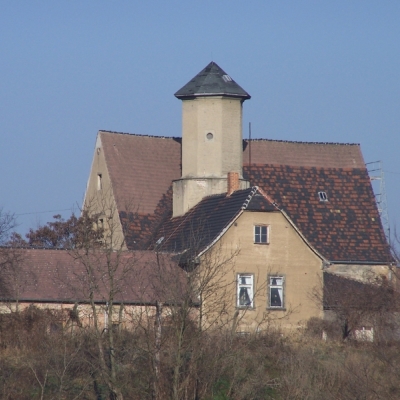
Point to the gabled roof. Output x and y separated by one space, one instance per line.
205 222
59 276
141 168
212 81
346 227
302 154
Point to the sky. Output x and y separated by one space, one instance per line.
317 71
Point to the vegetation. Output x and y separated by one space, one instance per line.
177 350
41 357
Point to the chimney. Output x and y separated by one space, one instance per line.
233 182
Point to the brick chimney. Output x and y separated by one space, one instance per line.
233 182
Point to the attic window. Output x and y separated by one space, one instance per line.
226 78
261 234
322 196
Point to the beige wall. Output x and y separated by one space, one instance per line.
190 191
286 255
130 316
221 116
100 200
206 162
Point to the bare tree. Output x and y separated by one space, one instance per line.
354 304
108 275
8 257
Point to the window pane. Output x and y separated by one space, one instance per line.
276 297
260 234
276 281
245 280
244 297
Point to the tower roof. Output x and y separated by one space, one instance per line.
212 81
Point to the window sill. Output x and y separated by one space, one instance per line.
245 308
276 308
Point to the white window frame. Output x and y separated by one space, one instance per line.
258 234
245 288
276 287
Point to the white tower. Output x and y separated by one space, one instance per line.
211 137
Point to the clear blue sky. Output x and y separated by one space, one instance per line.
317 71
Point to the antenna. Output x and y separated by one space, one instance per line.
377 177
249 143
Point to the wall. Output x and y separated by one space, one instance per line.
101 200
285 255
203 157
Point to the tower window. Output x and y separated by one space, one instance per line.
209 136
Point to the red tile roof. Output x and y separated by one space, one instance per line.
345 228
58 276
302 154
141 168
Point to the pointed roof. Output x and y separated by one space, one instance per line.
343 227
212 81
209 219
346 227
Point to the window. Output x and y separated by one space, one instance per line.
322 196
245 290
99 182
261 234
276 291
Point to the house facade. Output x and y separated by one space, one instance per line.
268 218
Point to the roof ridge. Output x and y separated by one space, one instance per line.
300 142
254 189
304 167
139 134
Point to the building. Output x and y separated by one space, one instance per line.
283 213
118 288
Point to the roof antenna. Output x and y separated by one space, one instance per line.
249 143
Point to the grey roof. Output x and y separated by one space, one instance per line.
212 81
201 225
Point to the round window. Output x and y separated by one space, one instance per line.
209 136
